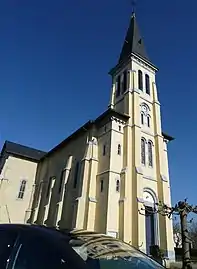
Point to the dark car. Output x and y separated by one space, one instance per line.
39 247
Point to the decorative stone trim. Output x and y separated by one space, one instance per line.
146 132
128 125
132 125
159 135
143 63
145 203
92 142
67 169
122 200
137 90
110 130
108 171
124 170
157 103
164 178
139 170
146 99
130 90
149 178
117 120
93 159
149 204
140 200
85 159
132 70
92 199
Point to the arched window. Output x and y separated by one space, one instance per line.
150 153
145 114
140 80
104 150
101 186
147 82
117 185
125 81
22 189
148 121
119 149
142 118
143 151
118 86
49 186
62 177
76 174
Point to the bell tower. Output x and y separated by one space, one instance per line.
144 175
133 72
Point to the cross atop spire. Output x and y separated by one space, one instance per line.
133 4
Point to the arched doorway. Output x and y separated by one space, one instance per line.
150 220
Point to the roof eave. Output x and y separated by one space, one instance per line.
168 137
111 112
83 128
23 157
145 60
86 127
114 70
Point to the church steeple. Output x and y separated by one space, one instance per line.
133 43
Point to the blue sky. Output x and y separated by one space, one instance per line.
55 57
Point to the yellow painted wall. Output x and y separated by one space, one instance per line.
14 171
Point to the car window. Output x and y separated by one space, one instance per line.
37 253
7 240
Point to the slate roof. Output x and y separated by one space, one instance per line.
106 115
133 45
22 151
134 42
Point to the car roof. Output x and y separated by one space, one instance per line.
50 230
33 228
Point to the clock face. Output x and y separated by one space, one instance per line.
144 109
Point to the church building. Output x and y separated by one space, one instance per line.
109 174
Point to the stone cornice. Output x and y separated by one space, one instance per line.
139 170
147 65
149 178
164 178
92 199
108 171
124 170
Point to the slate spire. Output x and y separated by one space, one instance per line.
133 42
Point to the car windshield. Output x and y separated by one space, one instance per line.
103 252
